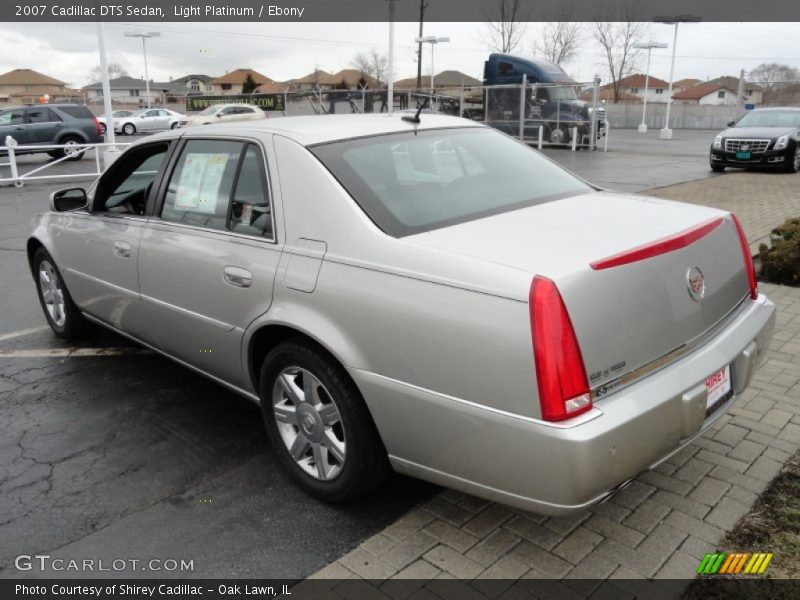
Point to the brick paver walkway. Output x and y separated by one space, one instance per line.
760 200
664 522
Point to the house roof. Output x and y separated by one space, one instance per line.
732 83
698 91
637 81
443 79
686 83
132 83
239 75
270 88
607 94
28 77
187 78
352 77
317 76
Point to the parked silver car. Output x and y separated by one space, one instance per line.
432 297
148 121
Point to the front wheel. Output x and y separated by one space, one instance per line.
129 129
717 168
793 160
63 316
319 425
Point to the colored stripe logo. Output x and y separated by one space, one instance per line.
734 563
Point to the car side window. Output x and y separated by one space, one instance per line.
221 185
39 115
12 117
124 188
199 190
227 111
251 210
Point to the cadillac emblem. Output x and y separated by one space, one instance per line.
745 147
696 284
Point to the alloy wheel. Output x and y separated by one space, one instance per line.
309 423
52 293
71 148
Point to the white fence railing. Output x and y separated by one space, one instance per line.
12 150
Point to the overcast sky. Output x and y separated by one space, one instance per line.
68 51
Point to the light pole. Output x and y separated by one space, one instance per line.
432 40
649 47
144 35
666 133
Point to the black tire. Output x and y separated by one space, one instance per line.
102 128
129 129
68 139
366 465
717 168
174 125
74 323
793 159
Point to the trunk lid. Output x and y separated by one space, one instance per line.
626 316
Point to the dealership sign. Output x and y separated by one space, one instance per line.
263 101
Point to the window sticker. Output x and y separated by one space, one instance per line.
201 176
247 214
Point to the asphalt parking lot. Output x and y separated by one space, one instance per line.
106 450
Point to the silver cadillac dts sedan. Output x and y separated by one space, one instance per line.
425 295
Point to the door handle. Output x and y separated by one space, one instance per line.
122 249
237 276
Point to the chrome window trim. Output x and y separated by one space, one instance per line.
159 222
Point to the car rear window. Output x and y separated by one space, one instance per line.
79 112
413 182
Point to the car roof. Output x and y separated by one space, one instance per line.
318 129
773 108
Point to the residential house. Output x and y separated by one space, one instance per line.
131 91
707 93
633 85
231 83
753 93
684 84
22 86
346 79
196 84
316 80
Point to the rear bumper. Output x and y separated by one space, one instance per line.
770 158
563 468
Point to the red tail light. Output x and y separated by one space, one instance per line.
748 260
97 127
560 373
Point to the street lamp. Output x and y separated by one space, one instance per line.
649 47
666 133
432 40
144 35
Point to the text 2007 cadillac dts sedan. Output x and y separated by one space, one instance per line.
433 297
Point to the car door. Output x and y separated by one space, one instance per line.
43 125
98 248
148 121
208 258
12 123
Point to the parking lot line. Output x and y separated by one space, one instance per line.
22 332
69 352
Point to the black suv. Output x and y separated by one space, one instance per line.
47 124
767 137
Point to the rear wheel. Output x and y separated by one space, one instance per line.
102 128
72 150
63 316
319 425
129 129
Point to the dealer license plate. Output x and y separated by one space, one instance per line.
743 155
718 385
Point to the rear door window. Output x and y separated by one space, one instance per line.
79 112
220 184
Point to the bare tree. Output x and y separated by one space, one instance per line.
372 63
505 24
773 75
617 41
114 70
559 41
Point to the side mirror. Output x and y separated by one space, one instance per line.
218 115
68 199
731 123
